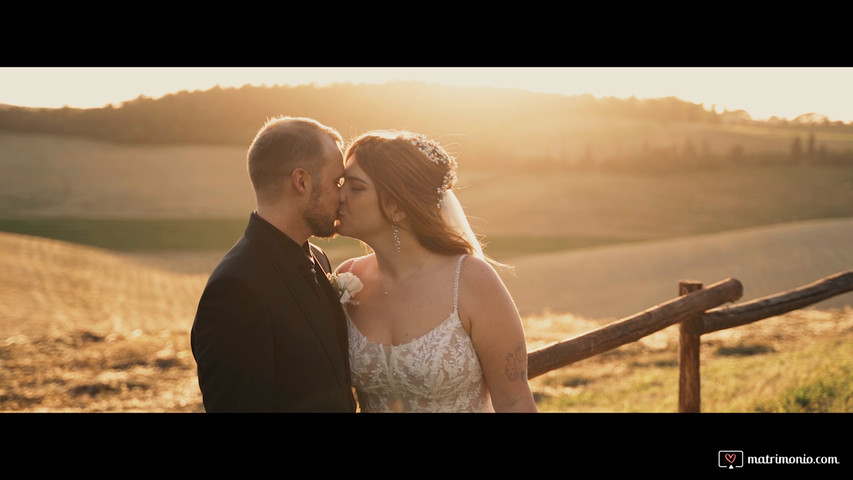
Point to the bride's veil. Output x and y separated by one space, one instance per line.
455 218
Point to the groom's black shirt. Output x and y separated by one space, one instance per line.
269 334
301 256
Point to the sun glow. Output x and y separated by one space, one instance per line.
762 92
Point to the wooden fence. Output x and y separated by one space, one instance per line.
698 311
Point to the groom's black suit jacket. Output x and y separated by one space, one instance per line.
269 334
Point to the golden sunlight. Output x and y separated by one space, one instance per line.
762 92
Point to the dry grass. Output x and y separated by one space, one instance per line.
86 330
82 371
798 362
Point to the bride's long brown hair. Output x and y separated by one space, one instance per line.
405 175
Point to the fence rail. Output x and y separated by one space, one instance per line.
698 311
742 314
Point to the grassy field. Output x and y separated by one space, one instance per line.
106 250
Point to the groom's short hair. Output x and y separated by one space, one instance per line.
282 144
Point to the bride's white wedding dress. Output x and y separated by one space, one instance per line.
436 372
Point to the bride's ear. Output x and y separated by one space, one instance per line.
394 212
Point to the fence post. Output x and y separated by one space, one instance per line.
688 360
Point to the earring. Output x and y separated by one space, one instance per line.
396 231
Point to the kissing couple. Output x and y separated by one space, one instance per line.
423 323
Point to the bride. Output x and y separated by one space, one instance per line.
432 327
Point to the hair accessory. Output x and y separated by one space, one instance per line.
432 151
438 156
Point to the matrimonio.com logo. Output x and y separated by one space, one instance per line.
730 459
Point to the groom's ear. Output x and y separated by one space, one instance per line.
300 180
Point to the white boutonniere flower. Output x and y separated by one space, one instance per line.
347 285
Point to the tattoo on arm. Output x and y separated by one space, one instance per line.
516 364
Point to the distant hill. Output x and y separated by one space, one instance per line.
486 125
233 115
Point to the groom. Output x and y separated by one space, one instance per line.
269 334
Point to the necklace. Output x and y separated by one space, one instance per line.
399 282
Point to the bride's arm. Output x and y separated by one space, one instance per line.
487 309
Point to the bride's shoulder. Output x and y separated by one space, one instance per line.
478 269
481 289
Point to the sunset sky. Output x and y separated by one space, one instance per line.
762 91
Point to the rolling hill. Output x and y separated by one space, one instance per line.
618 281
49 285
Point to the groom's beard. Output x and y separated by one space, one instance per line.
322 223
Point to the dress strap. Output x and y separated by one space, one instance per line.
456 283
352 264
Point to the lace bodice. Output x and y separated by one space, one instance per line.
436 372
